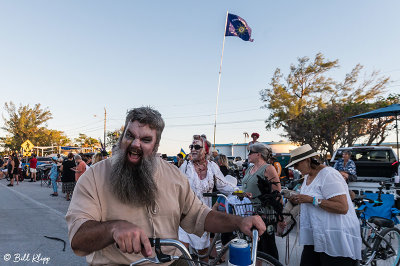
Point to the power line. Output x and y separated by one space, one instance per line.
220 123
205 115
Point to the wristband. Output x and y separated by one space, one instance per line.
314 202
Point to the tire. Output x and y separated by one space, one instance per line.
388 253
368 241
268 259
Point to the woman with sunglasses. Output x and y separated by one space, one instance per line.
259 156
329 228
203 175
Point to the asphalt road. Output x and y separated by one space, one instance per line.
28 213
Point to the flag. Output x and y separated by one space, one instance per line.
183 153
236 26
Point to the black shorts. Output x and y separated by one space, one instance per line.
311 258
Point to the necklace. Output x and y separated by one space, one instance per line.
201 168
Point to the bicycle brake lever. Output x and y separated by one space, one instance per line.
152 260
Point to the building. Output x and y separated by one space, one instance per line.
240 149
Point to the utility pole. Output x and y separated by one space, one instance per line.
246 135
105 120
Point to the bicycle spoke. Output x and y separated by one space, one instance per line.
388 250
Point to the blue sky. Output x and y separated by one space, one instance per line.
77 57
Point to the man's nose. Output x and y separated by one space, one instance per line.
135 143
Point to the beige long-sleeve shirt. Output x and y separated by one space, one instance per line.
176 205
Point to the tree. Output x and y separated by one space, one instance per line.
48 137
327 128
113 136
24 123
85 141
313 108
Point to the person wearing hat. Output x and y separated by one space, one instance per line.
53 175
329 228
259 155
255 136
203 174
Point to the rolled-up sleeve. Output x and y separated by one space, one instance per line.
333 185
84 205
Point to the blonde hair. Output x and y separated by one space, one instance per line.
222 160
97 157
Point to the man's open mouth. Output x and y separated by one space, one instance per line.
134 155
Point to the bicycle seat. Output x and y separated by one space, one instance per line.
381 222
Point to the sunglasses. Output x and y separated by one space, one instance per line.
196 147
251 152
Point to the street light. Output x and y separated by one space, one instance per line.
105 120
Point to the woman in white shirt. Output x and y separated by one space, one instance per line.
203 174
329 228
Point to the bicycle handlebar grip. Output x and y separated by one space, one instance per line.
213 194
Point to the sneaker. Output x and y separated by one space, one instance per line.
31 180
54 195
10 185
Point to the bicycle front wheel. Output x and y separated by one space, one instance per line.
267 259
388 249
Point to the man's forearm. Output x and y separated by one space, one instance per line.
92 236
220 222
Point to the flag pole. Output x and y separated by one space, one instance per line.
219 78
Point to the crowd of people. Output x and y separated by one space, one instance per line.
122 201
65 170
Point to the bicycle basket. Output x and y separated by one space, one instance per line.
245 209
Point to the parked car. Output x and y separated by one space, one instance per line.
374 164
43 160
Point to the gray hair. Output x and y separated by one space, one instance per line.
205 142
263 149
148 116
77 157
347 152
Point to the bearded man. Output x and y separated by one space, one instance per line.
135 195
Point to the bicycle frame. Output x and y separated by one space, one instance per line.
373 245
213 243
163 258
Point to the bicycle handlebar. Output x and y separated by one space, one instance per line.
211 194
162 258
217 194
361 200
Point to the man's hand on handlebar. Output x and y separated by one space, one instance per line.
248 223
131 239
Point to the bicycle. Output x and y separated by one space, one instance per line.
381 240
243 208
160 257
